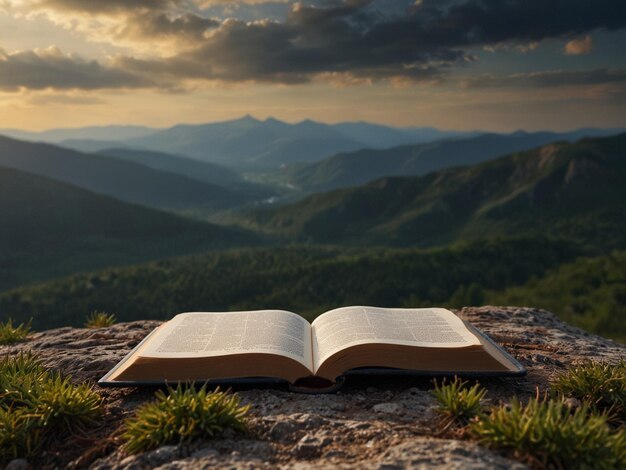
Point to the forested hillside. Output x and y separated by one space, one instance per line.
215 175
363 166
574 191
124 180
196 169
53 229
308 280
590 293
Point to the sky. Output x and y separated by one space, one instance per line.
497 65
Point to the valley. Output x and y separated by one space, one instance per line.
463 220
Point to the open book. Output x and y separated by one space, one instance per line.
274 343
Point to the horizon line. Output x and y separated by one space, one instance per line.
250 116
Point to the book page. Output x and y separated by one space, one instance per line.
350 326
203 334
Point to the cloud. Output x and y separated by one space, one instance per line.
51 69
350 40
188 28
208 3
353 38
549 79
103 6
311 42
579 46
144 26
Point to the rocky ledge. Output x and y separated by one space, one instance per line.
370 423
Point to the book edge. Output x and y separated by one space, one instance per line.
519 372
104 380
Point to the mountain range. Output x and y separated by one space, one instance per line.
124 180
573 190
248 143
53 229
362 166
347 152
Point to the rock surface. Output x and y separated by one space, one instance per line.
383 423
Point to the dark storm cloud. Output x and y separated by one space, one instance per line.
488 22
38 70
355 38
549 79
351 39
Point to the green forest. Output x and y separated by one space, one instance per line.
533 271
589 293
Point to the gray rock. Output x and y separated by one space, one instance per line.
310 446
312 421
205 453
337 406
389 408
161 455
428 453
285 430
17 464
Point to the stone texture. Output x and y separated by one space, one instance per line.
388 423
17 464
425 452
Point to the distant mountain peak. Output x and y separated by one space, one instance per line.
309 124
247 118
519 133
307 121
273 120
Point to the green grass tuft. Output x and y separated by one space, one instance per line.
37 405
549 434
20 433
66 406
16 368
183 414
10 334
457 401
100 320
20 377
601 385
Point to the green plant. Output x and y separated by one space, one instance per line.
599 384
549 434
20 366
10 334
183 414
457 401
19 433
36 405
20 377
99 320
66 406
